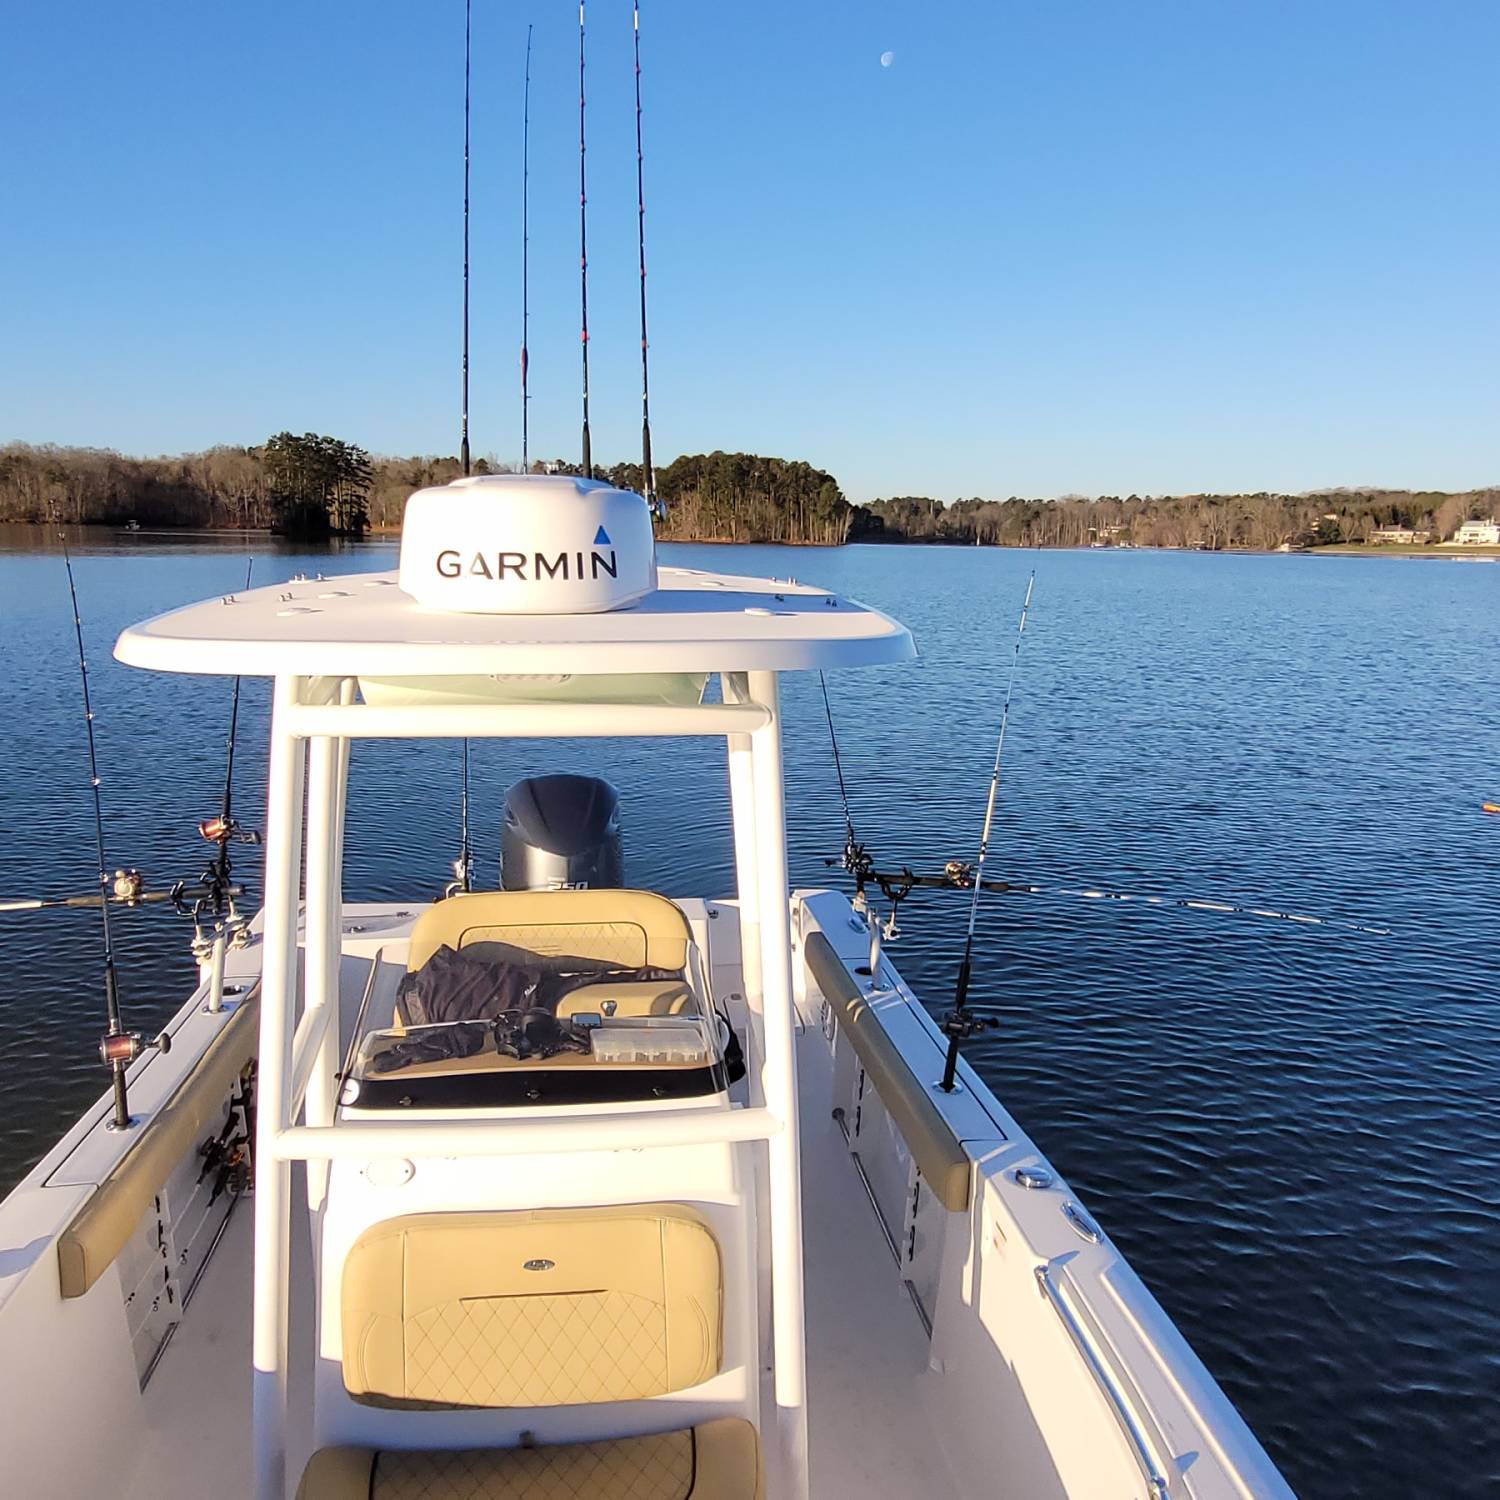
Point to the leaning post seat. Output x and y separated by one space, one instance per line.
626 929
621 929
717 1460
540 1307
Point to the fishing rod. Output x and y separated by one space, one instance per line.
583 251
464 441
224 830
117 1048
959 875
855 860
229 927
958 1024
648 470
126 889
463 865
525 254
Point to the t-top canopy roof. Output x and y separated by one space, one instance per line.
365 624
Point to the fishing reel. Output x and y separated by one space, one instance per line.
221 830
127 887
118 1049
960 1025
463 876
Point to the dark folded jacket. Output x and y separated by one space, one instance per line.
451 986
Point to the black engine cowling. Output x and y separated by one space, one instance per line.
561 833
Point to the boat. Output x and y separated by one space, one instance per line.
557 1186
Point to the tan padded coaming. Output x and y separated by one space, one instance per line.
938 1152
629 929
718 1460
648 997
110 1214
620 1304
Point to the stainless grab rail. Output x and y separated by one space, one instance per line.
1156 1482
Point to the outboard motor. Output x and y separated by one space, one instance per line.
561 833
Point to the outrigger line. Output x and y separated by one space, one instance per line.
648 470
583 252
525 255
958 1024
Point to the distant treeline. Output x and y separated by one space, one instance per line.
312 485
1212 522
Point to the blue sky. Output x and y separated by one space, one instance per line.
1054 247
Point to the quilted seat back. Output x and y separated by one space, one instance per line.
545 1307
623 929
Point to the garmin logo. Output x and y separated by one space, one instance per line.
529 567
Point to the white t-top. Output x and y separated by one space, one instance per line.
364 623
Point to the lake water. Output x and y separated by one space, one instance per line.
1290 1130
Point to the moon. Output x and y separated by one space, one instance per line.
887 58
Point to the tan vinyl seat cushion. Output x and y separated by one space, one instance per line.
646 997
110 1214
717 1460
543 1307
937 1151
628 929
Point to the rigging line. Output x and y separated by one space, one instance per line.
958 1026
648 470
583 252
464 443
525 255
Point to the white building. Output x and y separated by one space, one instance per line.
1478 534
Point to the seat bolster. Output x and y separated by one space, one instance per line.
338 1474
728 1463
634 997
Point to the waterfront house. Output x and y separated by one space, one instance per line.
1478 534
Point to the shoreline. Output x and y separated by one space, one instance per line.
1439 552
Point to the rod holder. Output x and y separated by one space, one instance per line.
117 1050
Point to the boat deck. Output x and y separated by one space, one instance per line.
867 1350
